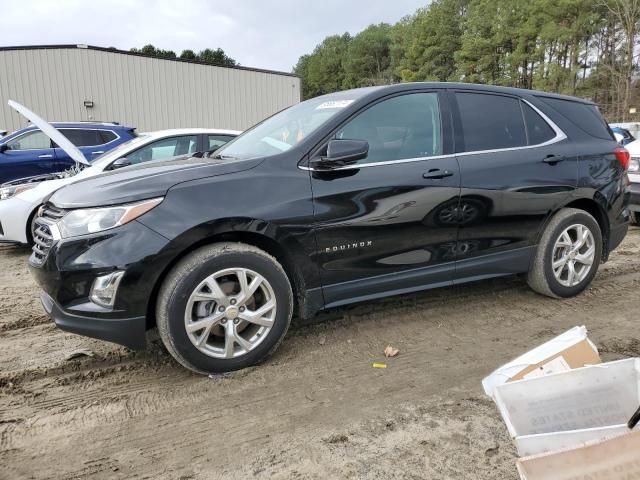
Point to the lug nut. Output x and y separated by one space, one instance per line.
236 321
242 309
224 320
233 301
221 309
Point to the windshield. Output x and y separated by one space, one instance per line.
120 150
286 129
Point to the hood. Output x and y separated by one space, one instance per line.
144 181
51 132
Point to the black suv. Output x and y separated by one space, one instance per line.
340 199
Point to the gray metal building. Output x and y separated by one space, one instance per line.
80 82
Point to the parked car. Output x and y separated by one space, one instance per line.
634 180
29 151
20 200
622 135
335 200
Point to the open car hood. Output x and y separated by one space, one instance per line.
51 132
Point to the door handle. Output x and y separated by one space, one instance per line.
100 152
553 159
436 174
45 156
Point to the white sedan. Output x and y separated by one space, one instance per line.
20 201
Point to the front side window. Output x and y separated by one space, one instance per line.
35 140
402 127
490 122
164 149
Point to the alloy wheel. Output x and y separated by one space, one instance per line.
573 255
230 313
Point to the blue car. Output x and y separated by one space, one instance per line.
28 151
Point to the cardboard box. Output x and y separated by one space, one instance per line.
564 410
614 459
568 351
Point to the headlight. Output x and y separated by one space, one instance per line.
634 165
92 220
12 191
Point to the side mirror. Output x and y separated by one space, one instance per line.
4 147
119 163
341 153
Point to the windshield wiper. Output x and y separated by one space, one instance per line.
223 157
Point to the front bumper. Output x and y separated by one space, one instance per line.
69 269
130 332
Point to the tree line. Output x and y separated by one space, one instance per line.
585 48
208 55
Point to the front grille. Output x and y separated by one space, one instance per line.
43 238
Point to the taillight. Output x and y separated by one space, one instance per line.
623 156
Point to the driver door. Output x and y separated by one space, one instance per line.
381 223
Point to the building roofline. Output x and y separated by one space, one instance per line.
137 54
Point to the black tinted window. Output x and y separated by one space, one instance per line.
538 130
491 121
82 138
407 126
585 116
106 136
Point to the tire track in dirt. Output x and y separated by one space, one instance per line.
317 409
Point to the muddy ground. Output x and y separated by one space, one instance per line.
316 410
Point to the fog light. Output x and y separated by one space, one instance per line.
104 289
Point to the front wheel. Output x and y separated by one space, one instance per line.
568 255
224 307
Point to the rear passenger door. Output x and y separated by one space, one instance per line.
516 167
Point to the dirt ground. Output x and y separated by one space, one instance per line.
316 410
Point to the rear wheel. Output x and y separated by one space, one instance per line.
224 307
568 255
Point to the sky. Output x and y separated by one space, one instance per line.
269 34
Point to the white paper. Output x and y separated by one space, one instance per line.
557 365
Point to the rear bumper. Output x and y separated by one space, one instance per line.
130 332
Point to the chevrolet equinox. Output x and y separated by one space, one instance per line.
343 198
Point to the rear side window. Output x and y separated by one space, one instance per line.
82 138
538 131
491 122
106 136
585 116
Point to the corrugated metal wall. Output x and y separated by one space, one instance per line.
146 93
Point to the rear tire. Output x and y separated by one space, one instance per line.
568 255
224 307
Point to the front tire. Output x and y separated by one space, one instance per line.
568 255
224 307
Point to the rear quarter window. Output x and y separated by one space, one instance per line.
585 116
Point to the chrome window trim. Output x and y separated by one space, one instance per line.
560 136
64 128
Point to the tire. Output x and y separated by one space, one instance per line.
187 296
542 279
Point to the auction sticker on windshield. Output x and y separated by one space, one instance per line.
334 104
